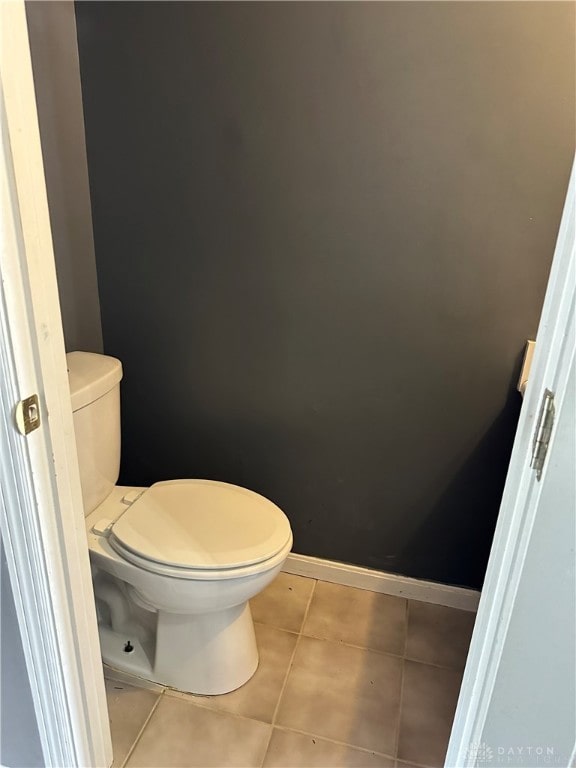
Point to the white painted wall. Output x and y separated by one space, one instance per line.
20 745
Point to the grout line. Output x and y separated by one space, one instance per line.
401 697
400 700
358 647
382 653
407 626
436 666
196 700
289 729
273 626
399 716
402 763
289 669
293 653
400 656
141 731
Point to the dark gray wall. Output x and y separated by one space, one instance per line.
323 233
54 49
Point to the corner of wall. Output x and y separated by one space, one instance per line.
54 49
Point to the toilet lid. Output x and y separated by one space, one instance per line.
202 524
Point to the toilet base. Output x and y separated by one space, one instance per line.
207 654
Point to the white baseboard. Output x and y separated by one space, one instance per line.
380 581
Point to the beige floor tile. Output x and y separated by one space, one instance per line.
128 708
296 750
258 697
283 604
428 704
438 635
183 735
357 616
137 682
343 693
402 764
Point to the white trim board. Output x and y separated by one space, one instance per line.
380 581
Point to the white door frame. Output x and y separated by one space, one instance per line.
550 368
41 502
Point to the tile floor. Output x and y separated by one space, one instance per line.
346 678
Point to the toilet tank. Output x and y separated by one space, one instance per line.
95 393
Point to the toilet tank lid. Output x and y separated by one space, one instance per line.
91 376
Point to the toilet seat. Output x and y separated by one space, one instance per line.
199 574
201 529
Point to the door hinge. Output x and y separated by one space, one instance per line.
27 415
543 432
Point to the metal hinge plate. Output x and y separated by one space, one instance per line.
542 433
27 415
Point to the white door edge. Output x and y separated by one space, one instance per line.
42 519
552 359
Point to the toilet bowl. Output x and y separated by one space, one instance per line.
173 565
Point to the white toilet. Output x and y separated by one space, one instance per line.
173 565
